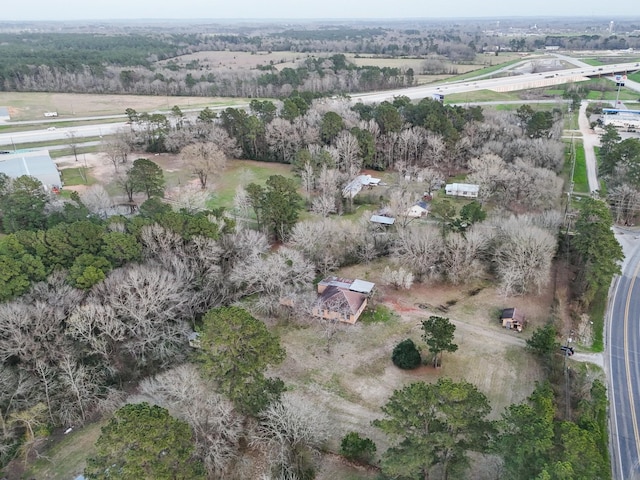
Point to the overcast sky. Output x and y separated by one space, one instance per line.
299 9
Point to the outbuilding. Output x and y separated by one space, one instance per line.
467 190
34 163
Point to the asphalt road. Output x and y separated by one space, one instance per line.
63 133
510 83
623 359
504 84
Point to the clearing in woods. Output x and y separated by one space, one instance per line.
354 377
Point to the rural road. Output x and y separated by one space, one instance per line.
623 361
589 140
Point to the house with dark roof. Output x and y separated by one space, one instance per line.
342 299
513 318
418 209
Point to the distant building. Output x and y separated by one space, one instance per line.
36 164
418 209
342 299
382 220
354 186
4 114
467 190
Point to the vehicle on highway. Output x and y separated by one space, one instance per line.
51 128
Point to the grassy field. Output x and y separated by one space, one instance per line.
241 173
66 458
77 176
593 62
31 106
634 76
580 181
481 96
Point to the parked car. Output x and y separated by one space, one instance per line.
568 351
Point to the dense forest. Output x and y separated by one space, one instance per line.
110 60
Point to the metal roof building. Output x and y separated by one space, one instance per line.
4 114
35 163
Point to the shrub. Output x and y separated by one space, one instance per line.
406 355
355 447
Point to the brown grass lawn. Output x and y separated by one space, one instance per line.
31 106
357 376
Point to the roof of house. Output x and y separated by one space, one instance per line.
35 163
338 298
461 187
382 219
352 188
336 282
512 313
360 286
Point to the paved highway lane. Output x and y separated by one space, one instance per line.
46 135
623 356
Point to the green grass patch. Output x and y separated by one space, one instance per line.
481 96
580 180
379 314
594 62
486 70
243 172
596 314
66 458
77 176
634 76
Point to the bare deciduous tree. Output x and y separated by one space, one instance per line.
463 254
273 276
523 257
218 429
290 429
204 159
397 278
420 250
97 200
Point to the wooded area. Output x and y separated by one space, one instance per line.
167 322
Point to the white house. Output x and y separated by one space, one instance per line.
355 185
467 190
418 209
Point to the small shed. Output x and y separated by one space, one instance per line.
382 220
512 318
467 190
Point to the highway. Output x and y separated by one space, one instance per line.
503 84
623 362
59 133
